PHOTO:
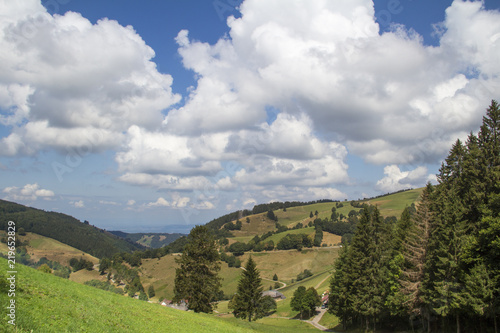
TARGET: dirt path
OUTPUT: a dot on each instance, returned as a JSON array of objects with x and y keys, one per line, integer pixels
[
  {"x": 283, "y": 283},
  {"x": 319, "y": 284},
  {"x": 316, "y": 319}
]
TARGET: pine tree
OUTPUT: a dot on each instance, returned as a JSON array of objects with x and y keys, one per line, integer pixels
[
  {"x": 467, "y": 207},
  {"x": 196, "y": 280},
  {"x": 340, "y": 299},
  {"x": 368, "y": 258},
  {"x": 415, "y": 253},
  {"x": 482, "y": 251},
  {"x": 395, "y": 297},
  {"x": 443, "y": 285},
  {"x": 248, "y": 300}
]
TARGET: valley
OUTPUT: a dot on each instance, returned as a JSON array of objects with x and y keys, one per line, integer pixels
[{"x": 286, "y": 265}]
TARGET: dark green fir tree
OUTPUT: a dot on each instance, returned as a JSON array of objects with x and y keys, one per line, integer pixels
[
  {"x": 196, "y": 280},
  {"x": 248, "y": 302}
]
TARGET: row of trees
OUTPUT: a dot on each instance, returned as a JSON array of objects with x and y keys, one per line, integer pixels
[
  {"x": 119, "y": 272},
  {"x": 439, "y": 267},
  {"x": 305, "y": 301}
]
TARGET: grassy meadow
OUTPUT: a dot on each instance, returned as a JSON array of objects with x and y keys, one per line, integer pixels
[
  {"x": 41, "y": 246},
  {"x": 394, "y": 204},
  {"x": 287, "y": 264},
  {"x": 46, "y": 303}
]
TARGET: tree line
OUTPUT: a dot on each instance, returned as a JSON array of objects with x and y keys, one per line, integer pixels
[{"x": 437, "y": 269}]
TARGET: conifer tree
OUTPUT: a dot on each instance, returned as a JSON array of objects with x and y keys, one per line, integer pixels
[
  {"x": 368, "y": 257},
  {"x": 396, "y": 265},
  {"x": 340, "y": 301},
  {"x": 482, "y": 250},
  {"x": 466, "y": 206},
  {"x": 248, "y": 300},
  {"x": 443, "y": 283},
  {"x": 196, "y": 280},
  {"x": 415, "y": 253}
]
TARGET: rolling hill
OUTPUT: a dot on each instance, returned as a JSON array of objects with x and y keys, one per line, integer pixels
[
  {"x": 88, "y": 309},
  {"x": 46, "y": 303},
  {"x": 151, "y": 240},
  {"x": 44, "y": 247},
  {"x": 65, "y": 229}
]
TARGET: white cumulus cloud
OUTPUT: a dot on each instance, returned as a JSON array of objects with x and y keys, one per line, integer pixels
[
  {"x": 396, "y": 179},
  {"x": 30, "y": 192},
  {"x": 65, "y": 81}
]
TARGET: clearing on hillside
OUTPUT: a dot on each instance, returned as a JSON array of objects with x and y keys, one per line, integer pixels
[{"x": 41, "y": 246}]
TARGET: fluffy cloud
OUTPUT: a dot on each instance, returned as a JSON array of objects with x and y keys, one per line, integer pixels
[
  {"x": 157, "y": 152},
  {"x": 396, "y": 179},
  {"x": 30, "y": 192},
  {"x": 385, "y": 91},
  {"x": 65, "y": 81},
  {"x": 283, "y": 193},
  {"x": 181, "y": 202},
  {"x": 335, "y": 83},
  {"x": 77, "y": 204},
  {"x": 279, "y": 102},
  {"x": 159, "y": 203}
]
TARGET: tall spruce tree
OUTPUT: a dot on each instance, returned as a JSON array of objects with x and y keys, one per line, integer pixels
[
  {"x": 367, "y": 259},
  {"x": 340, "y": 299},
  {"x": 395, "y": 302},
  {"x": 415, "y": 253},
  {"x": 248, "y": 300},
  {"x": 443, "y": 277},
  {"x": 196, "y": 280},
  {"x": 482, "y": 250},
  {"x": 450, "y": 274},
  {"x": 466, "y": 205}
]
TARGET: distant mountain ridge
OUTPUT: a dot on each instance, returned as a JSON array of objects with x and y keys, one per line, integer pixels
[
  {"x": 149, "y": 239},
  {"x": 66, "y": 229}
]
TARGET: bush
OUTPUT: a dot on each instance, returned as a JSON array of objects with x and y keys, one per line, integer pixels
[
  {"x": 45, "y": 268},
  {"x": 304, "y": 275},
  {"x": 297, "y": 241},
  {"x": 239, "y": 248},
  {"x": 151, "y": 291},
  {"x": 81, "y": 264},
  {"x": 104, "y": 285}
]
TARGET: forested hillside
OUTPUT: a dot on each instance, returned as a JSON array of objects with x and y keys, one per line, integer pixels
[
  {"x": 151, "y": 240},
  {"x": 65, "y": 229},
  {"x": 439, "y": 268}
]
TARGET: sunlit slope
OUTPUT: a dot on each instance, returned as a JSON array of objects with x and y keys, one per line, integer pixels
[
  {"x": 64, "y": 228},
  {"x": 259, "y": 224},
  {"x": 46, "y": 303},
  {"x": 394, "y": 204},
  {"x": 40, "y": 246}
]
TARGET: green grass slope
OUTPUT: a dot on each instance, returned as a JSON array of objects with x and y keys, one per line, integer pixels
[
  {"x": 45, "y": 303},
  {"x": 389, "y": 205},
  {"x": 394, "y": 204},
  {"x": 65, "y": 229},
  {"x": 44, "y": 247}
]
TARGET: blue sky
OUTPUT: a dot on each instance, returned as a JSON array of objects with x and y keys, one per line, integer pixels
[{"x": 158, "y": 115}]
